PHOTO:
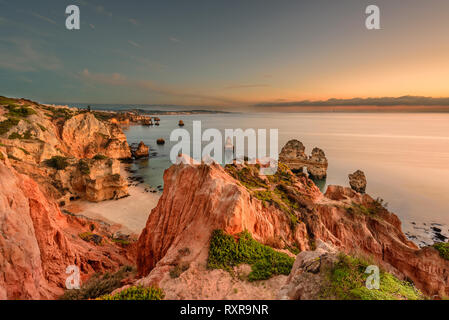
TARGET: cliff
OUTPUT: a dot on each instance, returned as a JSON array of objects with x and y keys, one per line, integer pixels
[
  {"x": 38, "y": 242},
  {"x": 54, "y": 145},
  {"x": 282, "y": 211}
]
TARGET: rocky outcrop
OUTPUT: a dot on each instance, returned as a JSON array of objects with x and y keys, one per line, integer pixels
[
  {"x": 317, "y": 164},
  {"x": 293, "y": 155},
  {"x": 200, "y": 198},
  {"x": 40, "y": 133},
  {"x": 141, "y": 151},
  {"x": 357, "y": 181},
  {"x": 38, "y": 242},
  {"x": 86, "y": 136},
  {"x": 309, "y": 273}
]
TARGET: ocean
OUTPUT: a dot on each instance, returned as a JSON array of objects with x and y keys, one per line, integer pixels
[{"x": 405, "y": 156}]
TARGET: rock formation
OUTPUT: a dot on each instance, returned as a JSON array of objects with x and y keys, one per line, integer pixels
[
  {"x": 293, "y": 155},
  {"x": 38, "y": 242},
  {"x": 200, "y": 198},
  {"x": 160, "y": 141},
  {"x": 142, "y": 151},
  {"x": 357, "y": 181},
  {"x": 86, "y": 136},
  {"x": 309, "y": 273},
  {"x": 41, "y": 133}
]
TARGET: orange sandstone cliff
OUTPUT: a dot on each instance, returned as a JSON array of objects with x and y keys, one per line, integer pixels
[{"x": 281, "y": 211}]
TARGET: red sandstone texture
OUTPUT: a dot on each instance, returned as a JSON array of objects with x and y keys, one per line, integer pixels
[
  {"x": 38, "y": 242},
  {"x": 200, "y": 198}
]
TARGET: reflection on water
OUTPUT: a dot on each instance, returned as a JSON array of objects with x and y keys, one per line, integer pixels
[
  {"x": 404, "y": 156},
  {"x": 321, "y": 184}
]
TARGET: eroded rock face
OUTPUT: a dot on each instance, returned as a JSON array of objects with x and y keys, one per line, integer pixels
[
  {"x": 142, "y": 151},
  {"x": 309, "y": 273},
  {"x": 200, "y": 198},
  {"x": 86, "y": 136},
  {"x": 37, "y": 242},
  {"x": 293, "y": 155},
  {"x": 357, "y": 181}
]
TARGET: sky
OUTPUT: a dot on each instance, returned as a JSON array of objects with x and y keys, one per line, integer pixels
[{"x": 222, "y": 53}]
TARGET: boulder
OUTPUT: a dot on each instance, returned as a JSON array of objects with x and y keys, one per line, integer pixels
[
  {"x": 357, "y": 181},
  {"x": 142, "y": 151}
]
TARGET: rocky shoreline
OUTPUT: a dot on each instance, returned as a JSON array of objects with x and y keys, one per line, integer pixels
[{"x": 213, "y": 232}]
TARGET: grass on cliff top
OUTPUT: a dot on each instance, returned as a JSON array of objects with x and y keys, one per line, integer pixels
[
  {"x": 347, "y": 281},
  {"x": 443, "y": 249},
  {"x": 99, "y": 285},
  {"x": 225, "y": 253},
  {"x": 137, "y": 293},
  {"x": 271, "y": 193},
  {"x": 14, "y": 115}
]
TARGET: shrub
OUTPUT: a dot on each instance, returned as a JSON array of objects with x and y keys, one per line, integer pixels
[
  {"x": 17, "y": 111},
  {"x": 100, "y": 157},
  {"x": 443, "y": 249},
  {"x": 91, "y": 237},
  {"x": 6, "y": 125},
  {"x": 83, "y": 167},
  {"x": 42, "y": 127},
  {"x": 137, "y": 293},
  {"x": 225, "y": 253},
  {"x": 347, "y": 281},
  {"x": 179, "y": 269},
  {"x": 57, "y": 162},
  {"x": 98, "y": 285}
]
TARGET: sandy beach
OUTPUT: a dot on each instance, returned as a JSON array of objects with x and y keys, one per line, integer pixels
[{"x": 129, "y": 215}]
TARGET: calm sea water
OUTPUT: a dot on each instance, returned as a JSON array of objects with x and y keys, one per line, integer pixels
[{"x": 404, "y": 156}]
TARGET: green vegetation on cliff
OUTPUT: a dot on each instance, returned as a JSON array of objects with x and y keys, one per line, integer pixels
[
  {"x": 137, "y": 293},
  {"x": 348, "y": 282},
  {"x": 225, "y": 252},
  {"x": 443, "y": 249},
  {"x": 274, "y": 191},
  {"x": 57, "y": 162},
  {"x": 100, "y": 285}
]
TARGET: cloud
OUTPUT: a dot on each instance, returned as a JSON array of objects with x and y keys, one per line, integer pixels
[
  {"x": 25, "y": 55},
  {"x": 133, "y": 21},
  {"x": 118, "y": 80},
  {"x": 240, "y": 86},
  {"x": 43, "y": 18},
  {"x": 173, "y": 39},
  {"x": 134, "y": 44},
  {"x": 102, "y": 10},
  {"x": 381, "y": 101}
]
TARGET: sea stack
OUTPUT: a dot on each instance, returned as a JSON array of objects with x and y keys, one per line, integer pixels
[
  {"x": 160, "y": 141},
  {"x": 317, "y": 164},
  {"x": 293, "y": 156},
  {"x": 181, "y": 123},
  {"x": 357, "y": 181},
  {"x": 142, "y": 151}
]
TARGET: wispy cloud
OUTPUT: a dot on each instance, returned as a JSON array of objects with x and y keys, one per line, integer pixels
[
  {"x": 133, "y": 21},
  {"x": 173, "y": 39},
  {"x": 119, "y": 80},
  {"x": 134, "y": 44},
  {"x": 25, "y": 55},
  {"x": 242, "y": 86},
  {"x": 43, "y": 18}
]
